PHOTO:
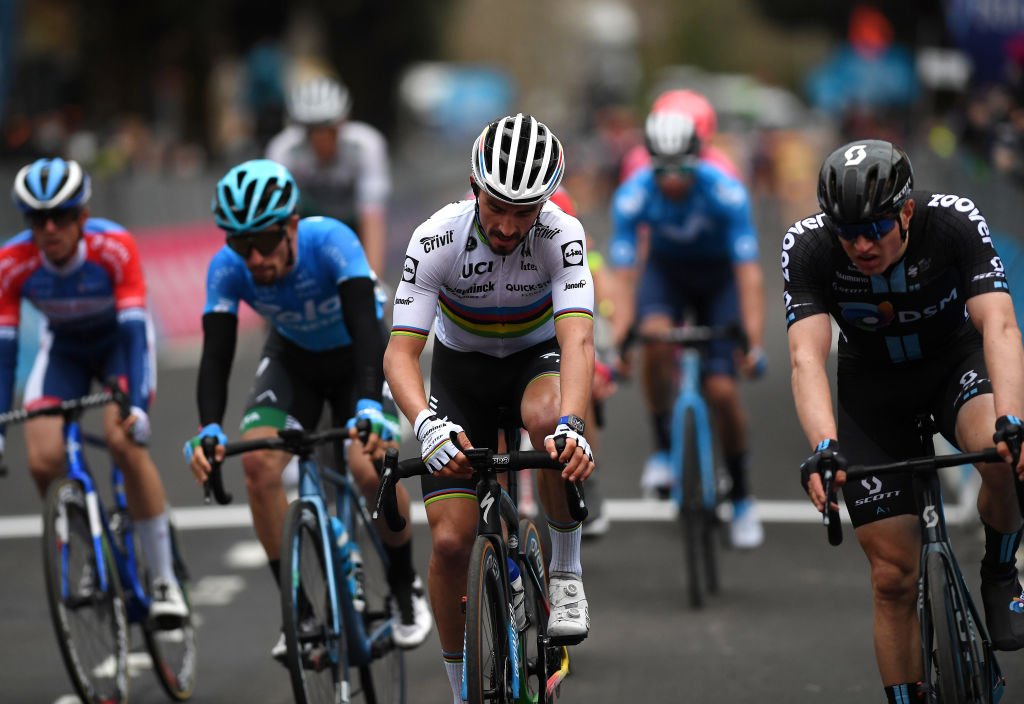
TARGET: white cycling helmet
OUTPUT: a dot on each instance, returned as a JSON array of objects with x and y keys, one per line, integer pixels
[
  {"x": 517, "y": 160},
  {"x": 671, "y": 137},
  {"x": 320, "y": 100}
]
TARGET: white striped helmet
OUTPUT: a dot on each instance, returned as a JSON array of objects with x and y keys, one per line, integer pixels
[
  {"x": 320, "y": 100},
  {"x": 671, "y": 138},
  {"x": 51, "y": 184},
  {"x": 518, "y": 160}
]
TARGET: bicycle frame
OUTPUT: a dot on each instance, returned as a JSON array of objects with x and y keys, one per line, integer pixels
[
  {"x": 363, "y": 646},
  {"x": 935, "y": 539},
  {"x": 689, "y": 398},
  {"x": 137, "y": 602}
]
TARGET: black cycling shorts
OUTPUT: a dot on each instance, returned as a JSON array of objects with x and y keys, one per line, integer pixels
[
  {"x": 469, "y": 387},
  {"x": 877, "y": 410}
]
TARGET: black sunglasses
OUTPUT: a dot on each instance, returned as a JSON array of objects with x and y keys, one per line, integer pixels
[
  {"x": 871, "y": 230},
  {"x": 264, "y": 242},
  {"x": 60, "y": 217}
]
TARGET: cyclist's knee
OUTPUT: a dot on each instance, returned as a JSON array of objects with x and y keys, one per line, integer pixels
[
  {"x": 451, "y": 548},
  {"x": 894, "y": 582},
  {"x": 262, "y": 471}
]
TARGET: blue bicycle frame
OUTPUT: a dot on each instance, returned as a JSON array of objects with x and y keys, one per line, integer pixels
[
  {"x": 690, "y": 399},
  {"x": 137, "y": 602},
  {"x": 311, "y": 492}
]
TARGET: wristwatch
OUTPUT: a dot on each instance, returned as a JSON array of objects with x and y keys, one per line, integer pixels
[{"x": 575, "y": 423}]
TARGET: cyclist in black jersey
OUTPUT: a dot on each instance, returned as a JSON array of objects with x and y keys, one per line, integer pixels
[
  {"x": 926, "y": 325},
  {"x": 310, "y": 280}
]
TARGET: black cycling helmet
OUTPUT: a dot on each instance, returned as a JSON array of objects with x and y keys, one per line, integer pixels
[{"x": 864, "y": 181}]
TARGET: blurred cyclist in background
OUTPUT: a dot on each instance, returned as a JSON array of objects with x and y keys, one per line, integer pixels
[
  {"x": 705, "y": 121},
  {"x": 84, "y": 276},
  {"x": 703, "y": 261},
  {"x": 339, "y": 165},
  {"x": 309, "y": 279}
]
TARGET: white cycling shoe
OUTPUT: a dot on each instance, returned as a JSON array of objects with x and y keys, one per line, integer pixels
[
  {"x": 411, "y": 612},
  {"x": 569, "y": 622},
  {"x": 745, "y": 529},
  {"x": 168, "y": 608}
]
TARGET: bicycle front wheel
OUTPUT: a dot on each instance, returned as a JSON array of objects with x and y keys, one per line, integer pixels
[
  {"x": 382, "y": 681},
  {"x": 952, "y": 678},
  {"x": 697, "y": 520},
  {"x": 174, "y": 650},
  {"x": 539, "y": 662},
  {"x": 487, "y": 660},
  {"x": 90, "y": 622},
  {"x": 316, "y": 649}
]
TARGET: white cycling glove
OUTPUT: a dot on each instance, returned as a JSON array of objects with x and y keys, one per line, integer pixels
[
  {"x": 140, "y": 428},
  {"x": 435, "y": 436},
  {"x": 564, "y": 430}
]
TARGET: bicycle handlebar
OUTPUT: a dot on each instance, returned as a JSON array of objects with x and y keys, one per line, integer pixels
[
  {"x": 113, "y": 393},
  {"x": 932, "y": 463},
  {"x": 293, "y": 440},
  {"x": 481, "y": 459},
  {"x": 689, "y": 335}
]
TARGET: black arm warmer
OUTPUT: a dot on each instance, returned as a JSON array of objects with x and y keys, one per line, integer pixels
[
  {"x": 220, "y": 333},
  {"x": 359, "y": 308}
]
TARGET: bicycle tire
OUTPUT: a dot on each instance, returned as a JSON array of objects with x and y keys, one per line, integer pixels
[
  {"x": 698, "y": 542},
  {"x": 383, "y": 680},
  {"x": 536, "y": 664},
  {"x": 951, "y": 679},
  {"x": 174, "y": 651},
  {"x": 487, "y": 660},
  {"x": 315, "y": 656},
  {"x": 91, "y": 626}
]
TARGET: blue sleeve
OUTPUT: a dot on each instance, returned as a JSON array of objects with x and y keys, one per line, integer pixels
[
  {"x": 8, "y": 361},
  {"x": 222, "y": 294},
  {"x": 627, "y": 210},
  {"x": 341, "y": 251},
  {"x": 738, "y": 222},
  {"x": 135, "y": 346}
]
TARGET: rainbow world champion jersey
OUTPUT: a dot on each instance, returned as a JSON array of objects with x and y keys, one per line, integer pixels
[{"x": 483, "y": 301}]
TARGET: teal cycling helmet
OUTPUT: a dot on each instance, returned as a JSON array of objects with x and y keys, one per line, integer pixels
[
  {"x": 254, "y": 195},
  {"x": 51, "y": 184}
]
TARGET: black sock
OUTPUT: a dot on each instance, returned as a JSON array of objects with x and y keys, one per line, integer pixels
[
  {"x": 275, "y": 569},
  {"x": 737, "y": 466},
  {"x": 400, "y": 569},
  {"x": 1000, "y": 552},
  {"x": 662, "y": 431},
  {"x": 902, "y": 693}
]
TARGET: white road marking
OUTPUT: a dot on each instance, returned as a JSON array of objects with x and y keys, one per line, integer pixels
[{"x": 625, "y": 510}]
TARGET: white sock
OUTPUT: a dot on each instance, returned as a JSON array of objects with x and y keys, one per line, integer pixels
[
  {"x": 155, "y": 536},
  {"x": 565, "y": 549},
  {"x": 454, "y": 670}
]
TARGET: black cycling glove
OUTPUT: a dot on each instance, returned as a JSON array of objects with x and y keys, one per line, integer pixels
[
  {"x": 1008, "y": 430},
  {"x": 826, "y": 450}
]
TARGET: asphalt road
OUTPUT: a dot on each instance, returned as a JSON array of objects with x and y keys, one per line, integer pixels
[{"x": 792, "y": 624}]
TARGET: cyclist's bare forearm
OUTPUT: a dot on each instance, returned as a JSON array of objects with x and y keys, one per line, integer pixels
[
  {"x": 576, "y": 369},
  {"x": 809, "y": 343},
  {"x": 402, "y": 370},
  {"x": 750, "y": 286}
]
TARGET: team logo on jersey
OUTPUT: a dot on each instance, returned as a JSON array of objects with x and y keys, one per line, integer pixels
[
  {"x": 572, "y": 253},
  {"x": 868, "y": 317},
  {"x": 437, "y": 241},
  {"x": 409, "y": 270}
]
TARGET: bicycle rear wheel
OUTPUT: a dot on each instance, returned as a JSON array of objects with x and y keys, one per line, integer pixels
[
  {"x": 382, "y": 681},
  {"x": 697, "y": 520},
  {"x": 954, "y": 677},
  {"x": 487, "y": 659},
  {"x": 173, "y": 650},
  {"x": 91, "y": 625},
  {"x": 316, "y": 650}
]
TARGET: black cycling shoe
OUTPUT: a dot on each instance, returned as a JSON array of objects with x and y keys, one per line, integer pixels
[{"x": 1004, "y": 611}]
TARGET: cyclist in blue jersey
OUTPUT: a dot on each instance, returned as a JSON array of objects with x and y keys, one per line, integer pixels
[
  {"x": 703, "y": 260},
  {"x": 84, "y": 275},
  {"x": 309, "y": 279}
]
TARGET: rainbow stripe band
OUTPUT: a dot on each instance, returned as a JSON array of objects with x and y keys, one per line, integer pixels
[
  {"x": 410, "y": 331},
  {"x": 574, "y": 313},
  {"x": 564, "y": 527},
  {"x": 441, "y": 494}
]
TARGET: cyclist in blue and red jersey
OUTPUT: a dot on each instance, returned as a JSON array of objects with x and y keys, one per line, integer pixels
[
  {"x": 309, "y": 279},
  {"x": 926, "y": 325},
  {"x": 84, "y": 276},
  {"x": 703, "y": 259}
]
